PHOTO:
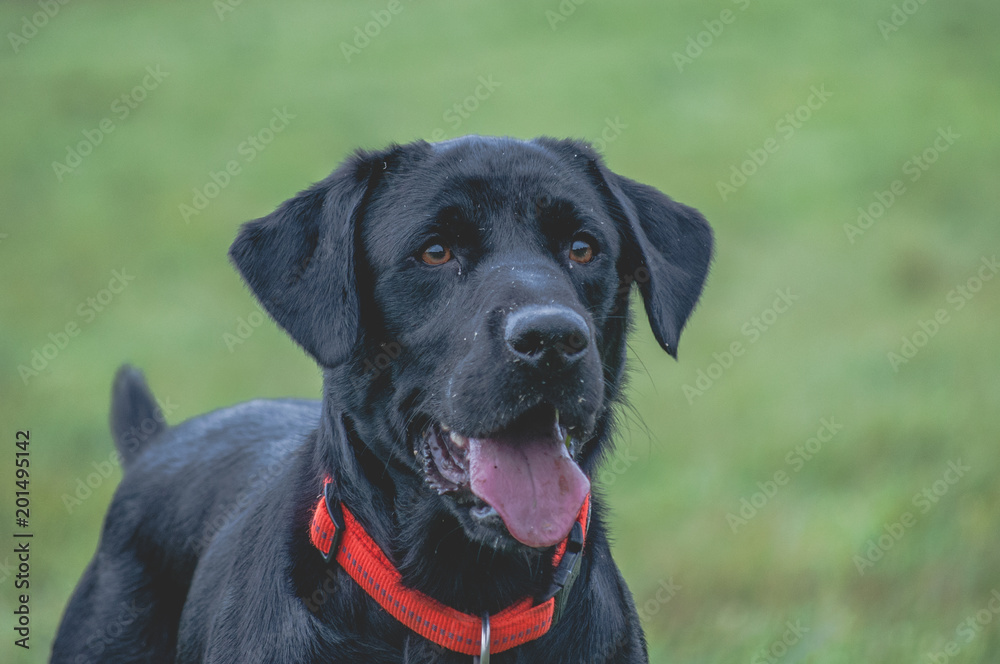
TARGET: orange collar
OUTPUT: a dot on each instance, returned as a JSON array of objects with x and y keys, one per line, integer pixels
[{"x": 338, "y": 534}]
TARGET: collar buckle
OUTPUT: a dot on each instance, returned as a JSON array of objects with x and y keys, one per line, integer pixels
[
  {"x": 562, "y": 577},
  {"x": 565, "y": 574},
  {"x": 337, "y": 517}
]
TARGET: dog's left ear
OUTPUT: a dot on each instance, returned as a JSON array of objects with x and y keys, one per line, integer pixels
[
  {"x": 299, "y": 260},
  {"x": 668, "y": 249}
]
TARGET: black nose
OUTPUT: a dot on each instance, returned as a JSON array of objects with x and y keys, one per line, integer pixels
[{"x": 546, "y": 335}]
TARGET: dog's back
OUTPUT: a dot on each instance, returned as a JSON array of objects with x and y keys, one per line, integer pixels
[{"x": 182, "y": 486}]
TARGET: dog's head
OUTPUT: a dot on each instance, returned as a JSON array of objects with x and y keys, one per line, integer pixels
[{"x": 471, "y": 297}]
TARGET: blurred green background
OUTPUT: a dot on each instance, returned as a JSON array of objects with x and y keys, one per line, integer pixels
[{"x": 679, "y": 95}]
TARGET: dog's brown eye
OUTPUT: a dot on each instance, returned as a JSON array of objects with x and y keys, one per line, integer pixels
[
  {"x": 581, "y": 251},
  {"x": 436, "y": 254}
]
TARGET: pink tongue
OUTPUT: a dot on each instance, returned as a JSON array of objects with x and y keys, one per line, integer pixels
[{"x": 531, "y": 482}]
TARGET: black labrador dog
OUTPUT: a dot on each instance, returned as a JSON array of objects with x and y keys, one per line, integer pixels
[{"x": 467, "y": 302}]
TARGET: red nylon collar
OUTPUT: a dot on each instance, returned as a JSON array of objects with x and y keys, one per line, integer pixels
[{"x": 362, "y": 558}]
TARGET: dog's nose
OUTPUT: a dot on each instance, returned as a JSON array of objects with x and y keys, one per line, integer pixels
[{"x": 546, "y": 335}]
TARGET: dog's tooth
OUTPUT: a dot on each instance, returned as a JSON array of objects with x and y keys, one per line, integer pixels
[
  {"x": 458, "y": 440},
  {"x": 444, "y": 427},
  {"x": 560, "y": 431}
]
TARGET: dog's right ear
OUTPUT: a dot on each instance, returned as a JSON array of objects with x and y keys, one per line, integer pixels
[
  {"x": 299, "y": 260},
  {"x": 667, "y": 243}
]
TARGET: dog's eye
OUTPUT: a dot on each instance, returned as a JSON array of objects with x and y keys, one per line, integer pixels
[
  {"x": 436, "y": 253},
  {"x": 581, "y": 250}
]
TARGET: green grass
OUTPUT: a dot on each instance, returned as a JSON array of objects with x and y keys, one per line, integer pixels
[{"x": 685, "y": 466}]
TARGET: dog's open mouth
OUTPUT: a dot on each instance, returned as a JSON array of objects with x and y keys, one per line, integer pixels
[{"x": 525, "y": 474}]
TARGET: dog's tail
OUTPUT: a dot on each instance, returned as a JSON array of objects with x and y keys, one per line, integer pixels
[{"x": 135, "y": 416}]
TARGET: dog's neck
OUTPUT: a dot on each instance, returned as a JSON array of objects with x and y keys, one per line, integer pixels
[{"x": 408, "y": 522}]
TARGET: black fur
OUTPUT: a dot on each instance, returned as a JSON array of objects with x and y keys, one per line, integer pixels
[
  {"x": 205, "y": 555},
  {"x": 135, "y": 416}
]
